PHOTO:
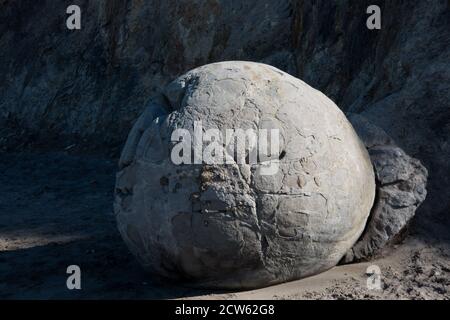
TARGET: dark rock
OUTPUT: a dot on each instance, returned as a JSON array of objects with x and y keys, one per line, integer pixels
[
  {"x": 400, "y": 181},
  {"x": 90, "y": 85}
]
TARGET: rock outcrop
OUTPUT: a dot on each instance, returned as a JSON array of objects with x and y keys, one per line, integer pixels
[
  {"x": 401, "y": 189},
  {"x": 234, "y": 225},
  {"x": 89, "y": 86}
]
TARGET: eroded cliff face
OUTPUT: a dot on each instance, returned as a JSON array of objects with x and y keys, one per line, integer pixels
[
  {"x": 398, "y": 77},
  {"x": 91, "y": 84}
]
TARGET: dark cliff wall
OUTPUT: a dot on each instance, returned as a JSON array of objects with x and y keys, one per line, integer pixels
[
  {"x": 92, "y": 83},
  {"x": 398, "y": 77}
]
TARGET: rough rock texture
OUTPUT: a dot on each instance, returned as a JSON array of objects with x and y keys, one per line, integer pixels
[
  {"x": 93, "y": 83},
  {"x": 230, "y": 226},
  {"x": 398, "y": 77},
  {"x": 401, "y": 182}
]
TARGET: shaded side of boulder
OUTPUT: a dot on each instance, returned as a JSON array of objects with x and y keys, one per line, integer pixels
[{"x": 401, "y": 188}]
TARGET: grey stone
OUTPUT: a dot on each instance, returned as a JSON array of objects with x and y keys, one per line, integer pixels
[
  {"x": 229, "y": 226},
  {"x": 401, "y": 189},
  {"x": 89, "y": 86}
]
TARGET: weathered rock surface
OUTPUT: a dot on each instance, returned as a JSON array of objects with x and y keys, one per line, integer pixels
[
  {"x": 230, "y": 226},
  {"x": 397, "y": 77},
  {"x": 401, "y": 188},
  {"x": 89, "y": 86}
]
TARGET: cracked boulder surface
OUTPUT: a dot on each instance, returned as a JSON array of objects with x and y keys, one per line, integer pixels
[
  {"x": 229, "y": 226},
  {"x": 401, "y": 189}
]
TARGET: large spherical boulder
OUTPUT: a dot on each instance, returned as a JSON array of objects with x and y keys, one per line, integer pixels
[{"x": 242, "y": 224}]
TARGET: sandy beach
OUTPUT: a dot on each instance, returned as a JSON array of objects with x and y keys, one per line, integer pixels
[{"x": 56, "y": 211}]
